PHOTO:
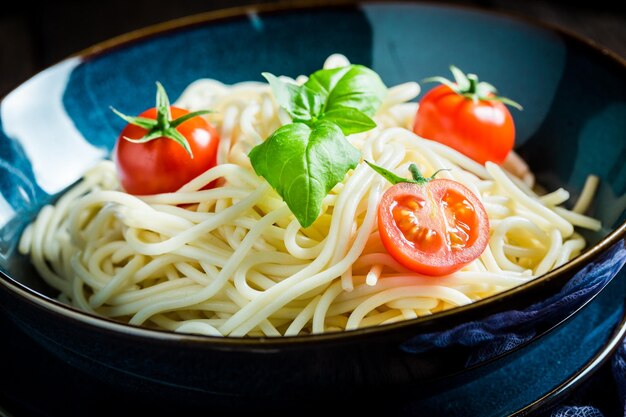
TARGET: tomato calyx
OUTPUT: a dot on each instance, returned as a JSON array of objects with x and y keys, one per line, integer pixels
[
  {"x": 163, "y": 126},
  {"x": 418, "y": 178},
  {"x": 468, "y": 85}
]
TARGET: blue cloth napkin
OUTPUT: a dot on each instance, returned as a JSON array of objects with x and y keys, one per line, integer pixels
[
  {"x": 618, "y": 368},
  {"x": 575, "y": 411},
  {"x": 499, "y": 333}
]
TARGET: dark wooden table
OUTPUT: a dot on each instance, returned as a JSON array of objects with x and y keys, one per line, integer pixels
[{"x": 33, "y": 37}]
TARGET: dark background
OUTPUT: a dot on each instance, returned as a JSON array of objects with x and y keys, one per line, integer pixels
[{"x": 34, "y": 36}]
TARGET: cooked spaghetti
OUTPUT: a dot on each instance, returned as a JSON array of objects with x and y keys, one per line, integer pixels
[{"x": 233, "y": 261}]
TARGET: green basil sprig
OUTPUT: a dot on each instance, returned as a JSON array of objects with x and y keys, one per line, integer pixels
[{"x": 305, "y": 159}]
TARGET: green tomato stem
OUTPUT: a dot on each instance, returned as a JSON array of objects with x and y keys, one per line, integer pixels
[
  {"x": 417, "y": 175},
  {"x": 473, "y": 83},
  {"x": 164, "y": 114},
  {"x": 163, "y": 126},
  {"x": 418, "y": 178},
  {"x": 470, "y": 87}
]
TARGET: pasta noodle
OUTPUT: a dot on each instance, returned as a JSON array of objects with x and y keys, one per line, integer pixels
[{"x": 233, "y": 260}]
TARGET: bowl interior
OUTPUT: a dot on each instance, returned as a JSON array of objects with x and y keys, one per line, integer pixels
[{"x": 58, "y": 123}]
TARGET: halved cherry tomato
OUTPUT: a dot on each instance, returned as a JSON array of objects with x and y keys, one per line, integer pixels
[
  {"x": 432, "y": 226},
  {"x": 467, "y": 116},
  {"x": 162, "y": 158}
]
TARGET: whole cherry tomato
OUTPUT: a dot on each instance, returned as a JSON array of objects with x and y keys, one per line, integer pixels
[
  {"x": 468, "y": 116},
  {"x": 431, "y": 226},
  {"x": 164, "y": 148}
]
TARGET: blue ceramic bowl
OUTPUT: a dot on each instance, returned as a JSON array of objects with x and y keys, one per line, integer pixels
[{"x": 58, "y": 123}]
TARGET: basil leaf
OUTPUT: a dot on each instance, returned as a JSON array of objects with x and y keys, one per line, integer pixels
[
  {"x": 303, "y": 164},
  {"x": 304, "y": 160},
  {"x": 300, "y": 102},
  {"x": 349, "y": 119},
  {"x": 353, "y": 86}
]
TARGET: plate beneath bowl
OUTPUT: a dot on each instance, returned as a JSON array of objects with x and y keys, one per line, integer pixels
[
  {"x": 33, "y": 380},
  {"x": 544, "y": 371}
]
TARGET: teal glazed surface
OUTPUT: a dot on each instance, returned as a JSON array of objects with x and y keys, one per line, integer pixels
[
  {"x": 59, "y": 123},
  {"x": 230, "y": 51},
  {"x": 571, "y": 102},
  {"x": 523, "y": 62}
]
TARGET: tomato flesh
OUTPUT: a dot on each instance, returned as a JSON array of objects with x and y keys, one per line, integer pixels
[
  {"x": 419, "y": 234},
  {"x": 433, "y": 229}
]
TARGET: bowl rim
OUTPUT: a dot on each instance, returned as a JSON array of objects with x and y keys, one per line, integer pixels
[
  {"x": 582, "y": 374},
  {"x": 444, "y": 318}
]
